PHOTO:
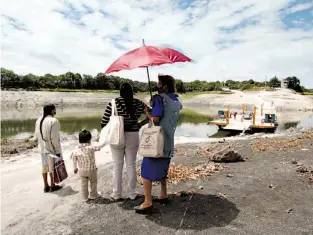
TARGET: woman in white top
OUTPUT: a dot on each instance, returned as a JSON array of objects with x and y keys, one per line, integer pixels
[{"x": 47, "y": 133}]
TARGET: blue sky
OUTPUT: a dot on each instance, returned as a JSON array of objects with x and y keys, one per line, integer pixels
[{"x": 237, "y": 40}]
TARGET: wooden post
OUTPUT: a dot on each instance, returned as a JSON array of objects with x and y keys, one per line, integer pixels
[
  {"x": 253, "y": 116},
  {"x": 243, "y": 109},
  {"x": 228, "y": 114},
  {"x": 262, "y": 110}
]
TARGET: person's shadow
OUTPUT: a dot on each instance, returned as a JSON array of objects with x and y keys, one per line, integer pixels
[
  {"x": 196, "y": 212},
  {"x": 65, "y": 191}
]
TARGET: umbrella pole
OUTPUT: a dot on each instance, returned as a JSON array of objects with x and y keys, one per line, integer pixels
[
  {"x": 143, "y": 42},
  {"x": 149, "y": 81}
]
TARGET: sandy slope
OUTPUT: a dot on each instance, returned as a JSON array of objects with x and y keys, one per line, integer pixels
[{"x": 283, "y": 99}]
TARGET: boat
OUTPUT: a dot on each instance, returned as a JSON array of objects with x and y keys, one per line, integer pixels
[{"x": 259, "y": 120}]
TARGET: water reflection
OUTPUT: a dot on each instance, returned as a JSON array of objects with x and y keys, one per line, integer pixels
[
  {"x": 190, "y": 124},
  {"x": 307, "y": 122},
  {"x": 196, "y": 130}
]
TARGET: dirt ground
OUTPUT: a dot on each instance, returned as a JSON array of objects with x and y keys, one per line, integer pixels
[
  {"x": 9, "y": 147},
  {"x": 262, "y": 195}
]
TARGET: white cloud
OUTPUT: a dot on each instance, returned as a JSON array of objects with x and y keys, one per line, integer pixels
[
  {"x": 300, "y": 7},
  {"x": 263, "y": 46}
]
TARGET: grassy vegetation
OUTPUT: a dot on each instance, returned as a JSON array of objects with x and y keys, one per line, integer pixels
[
  {"x": 195, "y": 93},
  {"x": 78, "y": 90},
  {"x": 306, "y": 93},
  {"x": 257, "y": 89},
  {"x": 189, "y": 116}
]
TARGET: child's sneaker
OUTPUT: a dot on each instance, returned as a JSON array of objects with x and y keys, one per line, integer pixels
[{"x": 113, "y": 198}]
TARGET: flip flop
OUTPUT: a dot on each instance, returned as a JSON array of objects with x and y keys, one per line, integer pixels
[{"x": 143, "y": 211}]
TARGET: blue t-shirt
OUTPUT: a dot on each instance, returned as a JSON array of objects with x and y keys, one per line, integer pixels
[{"x": 158, "y": 105}]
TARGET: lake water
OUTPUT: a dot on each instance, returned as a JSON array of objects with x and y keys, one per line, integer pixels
[{"x": 21, "y": 124}]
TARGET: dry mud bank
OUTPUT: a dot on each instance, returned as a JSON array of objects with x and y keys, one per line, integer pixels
[
  {"x": 33, "y": 99},
  {"x": 284, "y": 100}
]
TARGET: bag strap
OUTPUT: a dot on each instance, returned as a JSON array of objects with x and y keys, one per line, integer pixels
[
  {"x": 113, "y": 108},
  {"x": 152, "y": 122}
]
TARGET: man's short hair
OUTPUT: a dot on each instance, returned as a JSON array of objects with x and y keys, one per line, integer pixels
[{"x": 84, "y": 136}]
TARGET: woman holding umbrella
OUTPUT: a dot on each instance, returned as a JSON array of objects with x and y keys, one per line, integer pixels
[{"x": 165, "y": 112}]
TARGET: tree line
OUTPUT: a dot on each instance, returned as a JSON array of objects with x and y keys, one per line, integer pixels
[{"x": 70, "y": 80}]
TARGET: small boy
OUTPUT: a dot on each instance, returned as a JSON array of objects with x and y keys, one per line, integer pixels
[{"x": 84, "y": 156}]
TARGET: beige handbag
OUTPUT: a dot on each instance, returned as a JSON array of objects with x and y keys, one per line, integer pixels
[
  {"x": 151, "y": 142},
  {"x": 113, "y": 132}
]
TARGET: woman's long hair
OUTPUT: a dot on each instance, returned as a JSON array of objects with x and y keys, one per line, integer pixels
[
  {"x": 127, "y": 93},
  {"x": 47, "y": 110}
]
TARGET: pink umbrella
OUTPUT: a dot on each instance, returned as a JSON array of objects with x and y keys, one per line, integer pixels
[{"x": 146, "y": 56}]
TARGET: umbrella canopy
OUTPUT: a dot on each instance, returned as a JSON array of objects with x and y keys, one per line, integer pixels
[{"x": 147, "y": 56}]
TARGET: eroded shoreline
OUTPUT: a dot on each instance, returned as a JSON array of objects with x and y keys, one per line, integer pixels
[{"x": 283, "y": 100}]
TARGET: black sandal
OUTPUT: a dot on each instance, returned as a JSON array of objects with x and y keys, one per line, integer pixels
[
  {"x": 55, "y": 188},
  {"x": 46, "y": 189},
  {"x": 163, "y": 201},
  {"x": 144, "y": 211}
]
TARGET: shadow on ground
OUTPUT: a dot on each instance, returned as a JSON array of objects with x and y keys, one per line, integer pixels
[
  {"x": 196, "y": 212},
  {"x": 101, "y": 200},
  {"x": 66, "y": 191}
]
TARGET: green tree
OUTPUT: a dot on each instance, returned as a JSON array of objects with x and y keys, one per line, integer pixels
[
  {"x": 294, "y": 83},
  {"x": 70, "y": 80},
  {"x": 9, "y": 79},
  {"x": 180, "y": 86},
  {"x": 274, "y": 82},
  {"x": 88, "y": 82}
]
